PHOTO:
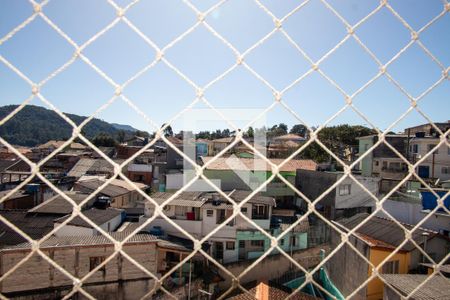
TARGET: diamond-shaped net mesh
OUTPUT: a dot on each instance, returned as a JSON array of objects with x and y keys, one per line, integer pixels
[{"x": 39, "y": 11}]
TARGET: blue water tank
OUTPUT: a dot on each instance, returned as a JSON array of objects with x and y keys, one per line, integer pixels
[{"x": 429, "y": 200}]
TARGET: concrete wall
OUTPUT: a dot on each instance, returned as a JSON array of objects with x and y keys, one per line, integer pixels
[
  {"x": 70, "y": 230},
  {"x": 36, "y": 273},
  {"x": 375, "y": 286},
  {"x": 346, "y": 269},
  {"x": 366, "y": 164},
  {"x": 277, "y": 264},
  {"x": 441, "y": 159}
]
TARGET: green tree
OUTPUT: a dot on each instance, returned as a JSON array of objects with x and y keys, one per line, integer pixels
[
  {"x": 299, "y": 129},
  {"x": 104, "y": 140}
]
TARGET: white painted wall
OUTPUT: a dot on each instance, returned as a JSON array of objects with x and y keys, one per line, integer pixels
[
  {"x": 412, "y": 213},
  {"x": 441, "y": 159},
  {"x": 70, "y": 230},
  {"x": 174, "y": 181}
]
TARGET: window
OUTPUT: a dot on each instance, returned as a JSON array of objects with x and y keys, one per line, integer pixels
[
  {"x": 244, "y": 210},
  {"x": 415, "y": 148},
  {"x": 220, "y": 216},
  {"x": 260, "y": 211},
  {"x": 257, "y": 243},
  {"x": 209, "y": 212},
  {"x": 95, "y": 261},
  {"x": 377, "y": 163},
  {"x": 385, "y": 165},
  {"x": 390, "y": 267},
  {"x": 293, "y": 241},
  {"x": 282, "y": 242},
  {"x": 344, "y": 189},
  {"x": 445, "y": 170},
  {"x": 230, "y": 245}
]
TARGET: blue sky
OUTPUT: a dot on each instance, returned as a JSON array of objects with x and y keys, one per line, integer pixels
[{"x": 38, "y": 50}]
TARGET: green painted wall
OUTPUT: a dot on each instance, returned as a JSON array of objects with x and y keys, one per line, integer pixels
[{"x": 247, "y": 235}]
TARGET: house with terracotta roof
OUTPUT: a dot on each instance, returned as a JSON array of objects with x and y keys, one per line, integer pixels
[
  {"x": 376, "y": 240},
  {"x": 400, "y": 286}
]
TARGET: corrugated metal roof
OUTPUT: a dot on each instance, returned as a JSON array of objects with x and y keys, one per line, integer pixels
[
  {"x": 98, "y": 216},
  {"x": 443, "y": 268},
  {"x": 81, "y": 167},
  {"x": 437, "y": 287},
  {"x": 33, "y": 225},
  {"x": 384, "y": 232},
  {"x": 58, "y": 205},
  {"x": 193, "y": 199}
]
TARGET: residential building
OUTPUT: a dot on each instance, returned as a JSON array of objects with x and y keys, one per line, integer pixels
[
  {"x": 377, "y": 239},
  {"x": 108, "y": 219},
  {"x": 434, "y": 166},
  {"x": 217, "y": 145},
  {"x": 119, "y": 278},
  {"x": 345, "y": 200},
  {"x": 200, "y": 212},
  {"x": 400, "y": 286},
  {"x": 382, "y": 161},
  {"x": 120, "y": 193},
  {"x": 247, "y": 173}
]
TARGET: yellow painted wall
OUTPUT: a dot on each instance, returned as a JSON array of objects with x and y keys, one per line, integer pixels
[{"x": 375, "y": 286}]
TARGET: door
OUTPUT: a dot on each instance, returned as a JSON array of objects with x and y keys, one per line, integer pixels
[
  {"x": 424, "y": 171},
  {"x": 218, "y": 250},
  {"x": 242, "y": 250}
]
